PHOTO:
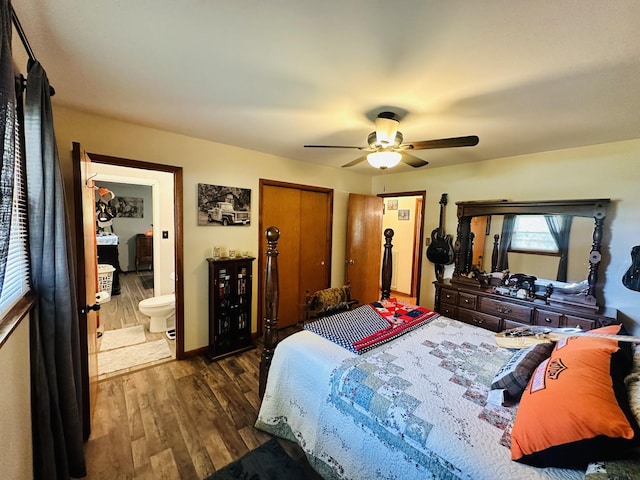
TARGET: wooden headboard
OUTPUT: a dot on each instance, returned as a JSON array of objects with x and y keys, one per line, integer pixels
[{"x": 271, "y": 296}]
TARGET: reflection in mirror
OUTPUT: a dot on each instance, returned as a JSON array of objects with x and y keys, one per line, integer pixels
[
  {"x": 540, "y": 265},
  {"x": 476, "y": 254}
]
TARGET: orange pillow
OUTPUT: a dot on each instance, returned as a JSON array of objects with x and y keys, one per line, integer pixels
[{"x": 575, "y": 408}]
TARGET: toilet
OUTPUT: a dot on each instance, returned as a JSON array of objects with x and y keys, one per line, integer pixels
[{"x": 159, "y": 309}]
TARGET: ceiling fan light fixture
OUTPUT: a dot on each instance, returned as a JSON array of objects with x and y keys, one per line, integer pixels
[
  {"x": 386, "y": 129},
  {"x": 384, "y": 159}
]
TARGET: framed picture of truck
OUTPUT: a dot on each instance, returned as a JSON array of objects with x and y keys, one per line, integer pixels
[{"x": 223, "y": 206}]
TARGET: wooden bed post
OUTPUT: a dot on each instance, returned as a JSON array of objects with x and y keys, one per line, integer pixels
[
  {"x": 387, "y": 264},
  {"x": 271, "y": 289}
]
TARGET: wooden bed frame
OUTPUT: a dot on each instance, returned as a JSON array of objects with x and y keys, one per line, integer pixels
[{"x": 271, "y": 296}]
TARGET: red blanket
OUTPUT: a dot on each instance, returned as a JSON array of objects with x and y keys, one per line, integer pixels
[{"x": 401, "y": 318}]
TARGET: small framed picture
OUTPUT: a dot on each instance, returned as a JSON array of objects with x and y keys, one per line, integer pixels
[
  {"x": 392, "y": 204},
  {"x": 403, "y": 214}
]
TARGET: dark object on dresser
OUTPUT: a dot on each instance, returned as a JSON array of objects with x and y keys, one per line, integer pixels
[{"x": 229, "y": 306}]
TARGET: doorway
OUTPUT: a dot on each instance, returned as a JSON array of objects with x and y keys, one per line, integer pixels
[
  {"x": 159, "y": 275},
  {"x": 126, "y": 340},
  {"x": 404, "y": 213}
]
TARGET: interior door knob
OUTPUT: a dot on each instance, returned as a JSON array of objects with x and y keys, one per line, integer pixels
[
  {"x": 350, "y": 262},
  {"x": 87, "y": 308}
]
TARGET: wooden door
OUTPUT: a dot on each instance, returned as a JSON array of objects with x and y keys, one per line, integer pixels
[
  {"x": 87, "y": 274},
  {"x": 364, "y": 247},
  {"x": 315, "y": 244},
  {"x": 479, "y": 229},
  {"x": 303, "y": 215},
  {"x": 281, "y": 209}
]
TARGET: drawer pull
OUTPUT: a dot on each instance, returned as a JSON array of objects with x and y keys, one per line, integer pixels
[
  {"x": 448, "y": 296},
  {"x": 548, "y": 320},
  {"x": 466, "y": 300},
  {"x": 477, "y": 320},
  {"x": 502, "y": 309}
]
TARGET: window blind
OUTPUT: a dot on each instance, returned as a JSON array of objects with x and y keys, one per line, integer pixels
[{"x": 16, "y": 282}]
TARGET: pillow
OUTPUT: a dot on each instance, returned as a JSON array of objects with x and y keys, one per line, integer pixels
[
  {"x": 575, "y": 408},
  {"x": 330, "y": 297},
  {"x": 515, "y": 374}
]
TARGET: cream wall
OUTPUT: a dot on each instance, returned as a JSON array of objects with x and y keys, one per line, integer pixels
[
  {"x": 207, "y": 162},
  {"x": 600, "y": 171},
  {"x": 16, "y": 460}
]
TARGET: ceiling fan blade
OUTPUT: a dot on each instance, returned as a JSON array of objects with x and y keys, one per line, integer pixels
[
  {"x": 333, "y": 146},
  {"x": 415, "y": 162},
  {"x": 355, "y": 162},
  {"x": 469, "y": 141}
]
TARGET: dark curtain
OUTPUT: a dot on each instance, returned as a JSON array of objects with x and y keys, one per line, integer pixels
[
  {"x": 56, "y": 377},
  {"x": 8, "y": 129},
  {"x": 508, "y": 224},
  {"x": 560, "y": 228}
]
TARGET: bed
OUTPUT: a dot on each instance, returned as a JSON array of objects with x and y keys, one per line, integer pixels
[{"x": 415, "y": 406}]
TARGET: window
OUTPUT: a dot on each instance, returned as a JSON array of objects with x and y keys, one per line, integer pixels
[
  {"x": 16, "y": 280},
  {"x": 531, "y": 234}
]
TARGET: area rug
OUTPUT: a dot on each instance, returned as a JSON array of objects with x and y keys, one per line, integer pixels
[
  {"x": 133, "y": 356},
  {"x": 267, "y": 462},
  {"x": 147, "y": 281},
  {"x": 122, "y": 337}
]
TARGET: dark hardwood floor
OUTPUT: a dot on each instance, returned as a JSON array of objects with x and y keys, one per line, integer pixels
[{"x": 178, "y": 420}]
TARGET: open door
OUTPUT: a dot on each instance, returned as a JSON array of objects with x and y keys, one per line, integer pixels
[
  {"x": 87, "y": 274},
  {"x": 364, "y": 247}
]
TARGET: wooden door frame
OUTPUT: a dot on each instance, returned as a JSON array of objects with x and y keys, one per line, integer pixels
[
  {"x": 262, "y": 243},
  {"x": 418, "y": 245},
  {"x": 177, "y": 225}
]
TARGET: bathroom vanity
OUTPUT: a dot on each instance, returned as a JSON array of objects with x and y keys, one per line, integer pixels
[
  {"x": 230, "y": 287},
  {"x": 107, "y": 247}
]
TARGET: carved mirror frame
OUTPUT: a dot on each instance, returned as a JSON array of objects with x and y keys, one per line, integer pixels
[{"x": 594, "y": 208}]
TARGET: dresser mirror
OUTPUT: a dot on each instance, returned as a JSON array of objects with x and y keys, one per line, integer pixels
[{"x": 480, "y": 244}]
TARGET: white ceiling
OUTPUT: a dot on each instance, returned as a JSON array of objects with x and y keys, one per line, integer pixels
[{"x": 523, "y": 75}]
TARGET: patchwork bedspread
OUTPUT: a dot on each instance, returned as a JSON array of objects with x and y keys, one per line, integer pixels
[
  {"x": 414, "y": 408},
  {"x": 368, "y": 326}
]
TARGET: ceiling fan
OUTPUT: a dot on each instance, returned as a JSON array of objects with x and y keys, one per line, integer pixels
[{"x": 387, "y": 148}]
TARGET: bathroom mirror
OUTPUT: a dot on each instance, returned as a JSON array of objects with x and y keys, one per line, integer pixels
[{"x": 480, "y": 244}]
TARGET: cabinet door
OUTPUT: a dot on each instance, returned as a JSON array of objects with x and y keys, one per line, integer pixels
[
  {"x": 221, "y": 320},
  {"x": 242, "y": 316}
]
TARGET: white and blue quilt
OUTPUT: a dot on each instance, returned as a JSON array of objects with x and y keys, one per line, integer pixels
[{"x": 413, "y": 408}]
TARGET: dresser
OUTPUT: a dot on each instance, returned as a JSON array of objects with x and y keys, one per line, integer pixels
[
  {"x": 230, "y": 291},
  {"x": 144, "y": 251},
  {"x": 482, "y": 307}
]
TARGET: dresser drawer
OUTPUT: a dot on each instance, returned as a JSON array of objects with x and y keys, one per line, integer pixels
[
  {"x": 583, "y": 323},
  {"x": 479, "y": 319},
  {"x": 449, "y": 296},
  {"x": 508, "y": 325},
  {"x": 466, "y": 300},
  {"x": 448, "y": 310},
  {"x": 509, "y": 311},
  {"x": 547, "y": 319}
]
